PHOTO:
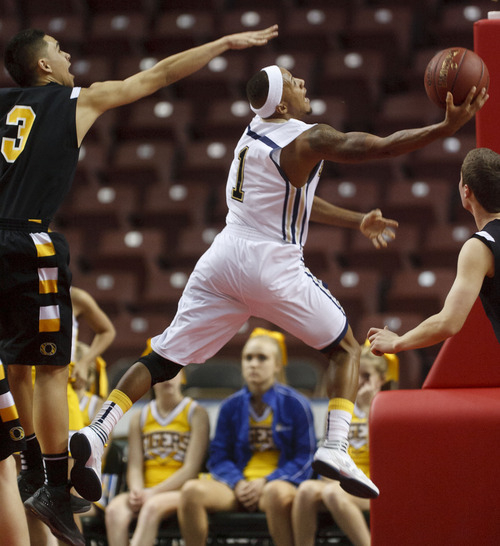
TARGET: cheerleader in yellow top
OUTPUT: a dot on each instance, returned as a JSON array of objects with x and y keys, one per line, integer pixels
[
  {"x": 168, "y": 441},
  {"x": 321, "y": 494}
]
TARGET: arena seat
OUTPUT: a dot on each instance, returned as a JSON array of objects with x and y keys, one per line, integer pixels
[
  {"x": 52, "y": 7},
  {"x": 224, "y": 118},
  {"x": 92, "y": 164},
  {"x": 398, "y": 255},
  {"x": 319, "y": 27},
  {"x": 442, "y": 244},
  {"x": 241, "y": 19},
  {"x": 359, "y": 293},
  {"x": 98, "y": 207},
  {"x": 162, "y": 290},
  {"x": 177, "y": 30},
  {"x": 351, "y": 192},
  {"x": 454, "y": 23},
  {"x": 173, "y": 208},
  {"x": 117, "y": 33},
  {"x": 193, "y": 242},
  {"x": 323, "y": 246},
  {"x": 418, "y": 202},
  {"x": 442, "y": 158},
  {"x": 128, "y": 249},
  {"x": 207, "y": 159},
  {"x": 147, "y": 161},
  {"x": 69, "y": 29},
  {"x": 91, "y": 68},
  {"x": 406, "y": 110},
  {"x": 419, "y": 290},
  {"x": 156, "y": 119},
  {"x": 224, "y": 76},
  {"x": 388, "y": 29},
  {"x": 356, "y": 76},
  {"x": 115, "y": 291}
]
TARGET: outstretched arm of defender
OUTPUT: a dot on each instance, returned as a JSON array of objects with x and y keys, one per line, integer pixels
[
  {"x": 475, "y": 261},
  {"x": 102, "y": 96}
]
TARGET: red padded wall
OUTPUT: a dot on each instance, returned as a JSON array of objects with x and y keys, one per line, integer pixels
[
  {"x": 487, "y": 46},
  {"x": 470, "y": 358},
  {"x": 434, "y": 456}
]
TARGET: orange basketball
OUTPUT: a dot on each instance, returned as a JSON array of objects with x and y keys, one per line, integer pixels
[{"x": 455, "y": 69}]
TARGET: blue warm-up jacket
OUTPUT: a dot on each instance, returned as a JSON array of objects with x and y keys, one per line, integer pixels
[{"x": 293, "y": 435}]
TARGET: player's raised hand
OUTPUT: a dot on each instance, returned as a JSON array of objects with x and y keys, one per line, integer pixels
[
  {"x": 378, "y": 229},
  {"x": 458, "y": 115},
  {"x": 242, "y": 40},
  {"x": 382, "y": 340}
]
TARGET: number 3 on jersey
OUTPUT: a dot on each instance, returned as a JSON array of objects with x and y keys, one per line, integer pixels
[
  {"x": 238, "y": 192},
  {"x": 23, "y": 117}
]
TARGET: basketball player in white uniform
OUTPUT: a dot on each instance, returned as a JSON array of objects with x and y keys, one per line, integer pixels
[{"x": 255, "y": 266}]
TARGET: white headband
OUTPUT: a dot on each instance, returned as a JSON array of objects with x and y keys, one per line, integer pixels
[{"x": 274, "y": 94}]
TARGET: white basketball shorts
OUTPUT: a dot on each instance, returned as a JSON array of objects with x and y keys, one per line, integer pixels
[{"x": 241, "y": 276}]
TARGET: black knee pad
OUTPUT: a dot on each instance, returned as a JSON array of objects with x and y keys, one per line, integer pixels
[{"x": 160, "y": 368}]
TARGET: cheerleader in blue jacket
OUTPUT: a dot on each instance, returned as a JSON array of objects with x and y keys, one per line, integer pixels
[{"x": 262, "y": 449}]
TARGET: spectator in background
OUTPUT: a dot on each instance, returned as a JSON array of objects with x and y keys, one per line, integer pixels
[
  {"x": 262, "y": 449},
  {"x": 167, "y": 445},
  {"x": 14, "y": 530},
  {"x": 324, "y": 494}
]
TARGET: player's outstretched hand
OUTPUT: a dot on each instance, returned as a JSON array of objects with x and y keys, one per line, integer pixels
[
  {"x": 242, "y": 40},
  {"x": 382, "y": 340},
  {"x": 458, "y": 115},
  {"x": 378, "y": 229}
]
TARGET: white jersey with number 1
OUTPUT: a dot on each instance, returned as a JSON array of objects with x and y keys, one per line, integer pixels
[{"x": 259, "y": 194}]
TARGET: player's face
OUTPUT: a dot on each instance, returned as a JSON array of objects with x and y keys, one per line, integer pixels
[
  {"x": 259, "y": 364},
  {"x": 59, "y": 62},
  {"x": 295, "y": 95}
]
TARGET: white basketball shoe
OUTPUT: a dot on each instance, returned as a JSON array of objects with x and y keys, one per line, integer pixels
[
  {"x": 336, "y": 463},
  {"x": 86, "y": 448}
]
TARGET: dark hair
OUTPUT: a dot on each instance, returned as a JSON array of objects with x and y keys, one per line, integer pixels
[
  {"x": 258, "y": 89},
  {"x": 481, "y": 172},
  {"x": 22, "y": 54}
]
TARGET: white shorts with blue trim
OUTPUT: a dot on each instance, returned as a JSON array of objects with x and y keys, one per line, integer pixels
[{"x": 242, "y": 275}]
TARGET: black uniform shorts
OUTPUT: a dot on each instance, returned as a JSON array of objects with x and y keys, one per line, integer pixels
[{"x": 35, "y": 311}]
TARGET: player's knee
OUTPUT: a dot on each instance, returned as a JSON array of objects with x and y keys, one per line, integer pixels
[
  {"x": 161, "y": 369},
  {"x": 347, "y": 349}
]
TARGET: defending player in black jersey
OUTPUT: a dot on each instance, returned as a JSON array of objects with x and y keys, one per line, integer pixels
[
  {"x": 42, "y": 125},
  {"x": 478, "y": 269}
]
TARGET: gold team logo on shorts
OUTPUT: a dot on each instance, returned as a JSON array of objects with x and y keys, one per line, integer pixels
[
  {"x": 48, "y": 349},
  {"x": 16, "y": 433}
]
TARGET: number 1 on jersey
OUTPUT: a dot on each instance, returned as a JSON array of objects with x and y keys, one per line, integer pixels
[{"x": 238, "y": 192}]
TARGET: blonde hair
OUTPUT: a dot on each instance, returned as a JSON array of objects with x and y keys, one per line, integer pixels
[
  {"x": 279, "y": 341},
  {"x": 386, "y": 365}
]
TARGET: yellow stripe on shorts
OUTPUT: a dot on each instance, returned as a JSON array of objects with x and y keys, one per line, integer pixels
[
  {"x": 8, "y": 410},
  {"x": 50, "y": 320},
  {"x": 47, "y": 280},
  {"x": 43, "y": 244}
]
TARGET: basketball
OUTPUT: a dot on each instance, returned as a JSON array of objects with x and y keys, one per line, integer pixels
[{"x": 455, "y": 69}]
